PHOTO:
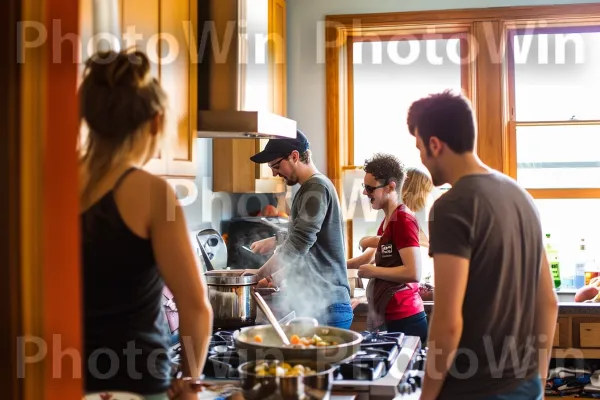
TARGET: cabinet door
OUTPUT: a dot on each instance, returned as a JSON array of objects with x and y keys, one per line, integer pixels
[
  {"x": 178, "y": 77},
  {"x": 277, "y": 55},
  {"x": 140, "y": 24}
]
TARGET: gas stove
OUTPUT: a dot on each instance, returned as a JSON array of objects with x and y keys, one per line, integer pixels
[{"x": 384, "y": 368}]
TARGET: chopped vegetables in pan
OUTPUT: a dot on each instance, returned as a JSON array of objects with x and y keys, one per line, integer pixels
[
  {"x": 283, "y": 369},
  {"x": 303, "y": 342}
]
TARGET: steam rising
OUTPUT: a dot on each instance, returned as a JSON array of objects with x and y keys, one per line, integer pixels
[{"x": 305, "y": 289}]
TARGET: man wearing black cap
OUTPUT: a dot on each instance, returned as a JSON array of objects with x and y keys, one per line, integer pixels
[{"x": 311, "y": 257}]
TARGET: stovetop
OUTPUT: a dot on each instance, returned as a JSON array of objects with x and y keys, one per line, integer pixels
[
  {"x": 378, "y": 352},
  {"x": 388, "y": 365}
]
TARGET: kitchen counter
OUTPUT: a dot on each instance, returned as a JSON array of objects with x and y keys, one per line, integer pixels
[
  {"x": 360, "y": 306},
  {"x": 570, "y": 315}
]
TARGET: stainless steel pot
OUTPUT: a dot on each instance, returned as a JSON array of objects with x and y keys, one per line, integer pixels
[
  {"x": 313, "y": 387},
  {"x": 231, "y": 298},
  {"x": 270, "y": 345}
]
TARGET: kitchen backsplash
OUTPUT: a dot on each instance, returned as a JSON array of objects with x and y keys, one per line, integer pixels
[{"x": 204, "y": 208}]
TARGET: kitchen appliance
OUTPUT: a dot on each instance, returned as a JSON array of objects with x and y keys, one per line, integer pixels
[
  {"x": 231, "y": 297},
  {"x": 243, "y": 231},
  {"x": 387, "y": 366},
  {"x": 233, "y": 86},
  {"x": 210, "y": 245}
]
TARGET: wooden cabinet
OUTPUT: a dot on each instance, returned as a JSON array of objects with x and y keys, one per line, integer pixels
[
  {"x": 178, "y": 75},
  {"x": 232, "y": 169},
  {"x": 162, "y": 29},
  {"x": 562, "y": 335},
  {"x": 589, "y": 334},
  {"x": 577, "y": 336}
]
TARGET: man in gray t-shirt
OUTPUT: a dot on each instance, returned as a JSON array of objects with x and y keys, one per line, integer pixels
[{"x": 495, "y": 308}]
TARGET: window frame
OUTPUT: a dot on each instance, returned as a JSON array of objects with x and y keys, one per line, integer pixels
[
  {"x": 555, "y": 27},
  {"x": 489, "y": 82},
  {"x": 452, "y": 31}
]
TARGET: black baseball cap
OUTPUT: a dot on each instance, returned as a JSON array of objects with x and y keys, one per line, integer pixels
[{"x": 277, "y": 148}]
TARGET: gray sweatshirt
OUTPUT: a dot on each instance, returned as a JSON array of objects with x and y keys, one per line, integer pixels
[{"x": 313, "y": 256}]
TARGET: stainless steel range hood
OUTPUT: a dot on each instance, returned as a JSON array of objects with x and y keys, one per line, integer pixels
[{"x": 233, "y": 72}]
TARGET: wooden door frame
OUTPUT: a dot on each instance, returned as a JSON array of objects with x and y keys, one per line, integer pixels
[{"x": 43, "y": 251}]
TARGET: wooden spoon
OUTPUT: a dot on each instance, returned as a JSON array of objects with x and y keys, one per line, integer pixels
[{"x": 272, "y": 320}]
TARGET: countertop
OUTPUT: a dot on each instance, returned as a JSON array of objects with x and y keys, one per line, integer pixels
[{"x": 359, "y": 304}]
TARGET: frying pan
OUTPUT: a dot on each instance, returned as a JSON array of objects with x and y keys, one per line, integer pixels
[{"x": 271, "y": 346}]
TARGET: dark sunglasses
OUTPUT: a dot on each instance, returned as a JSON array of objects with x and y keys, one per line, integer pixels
[{"x": 370, "y": 189}]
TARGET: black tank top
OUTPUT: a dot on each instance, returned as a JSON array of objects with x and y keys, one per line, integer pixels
[{"x": 125, "y": 336}]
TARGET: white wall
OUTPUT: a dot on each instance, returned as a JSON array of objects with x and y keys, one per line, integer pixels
[
  {"x": 207, "y": 209},
  {"x": 306, "y": 67}
]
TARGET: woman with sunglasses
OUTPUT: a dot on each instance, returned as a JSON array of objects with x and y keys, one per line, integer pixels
[{"x": 393, "y": 291}]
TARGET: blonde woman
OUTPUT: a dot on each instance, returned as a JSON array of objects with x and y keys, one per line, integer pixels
[
  {"x": 415, "y": 193},
  {"x": 131, "y": 245}
]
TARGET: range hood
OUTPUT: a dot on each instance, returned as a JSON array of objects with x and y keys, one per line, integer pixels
[{"x": 233, "y": 72}]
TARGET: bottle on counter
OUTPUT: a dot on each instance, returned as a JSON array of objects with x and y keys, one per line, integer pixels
[
  {"x": 592, "y": 270},
  {"x": 553, "y": 260},
  {"x": 580, "y": 265}
]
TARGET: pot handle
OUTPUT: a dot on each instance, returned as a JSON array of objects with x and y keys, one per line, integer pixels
[{"x": 267, "y": 290}]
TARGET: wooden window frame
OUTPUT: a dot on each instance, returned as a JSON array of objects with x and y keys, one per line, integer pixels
[
  {"x": 451, "y": 31},
  {"x": 486, "y": 26},
  {"x": 511, "y": 127}
]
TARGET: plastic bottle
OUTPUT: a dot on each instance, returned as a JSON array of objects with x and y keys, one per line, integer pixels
[
  {"x": 592, "y": 270},
  {"x": 580, "y": 265},
  {"x": 553, "y": 260}
]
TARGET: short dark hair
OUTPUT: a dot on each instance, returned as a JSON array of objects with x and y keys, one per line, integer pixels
[
  {"x": 447, "y": 116},
  {"x": 386, "y": 168},
  {"x": 414, "y": 111}
]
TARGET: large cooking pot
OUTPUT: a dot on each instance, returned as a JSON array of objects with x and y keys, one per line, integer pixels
[
  {"x": 313, "y": 387},
  {"x": 231, "y": 298},
  {"x": 262, "y": 342}
]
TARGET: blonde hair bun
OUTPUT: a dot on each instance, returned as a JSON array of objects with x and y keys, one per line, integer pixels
[{"x": 118, "y": 94}]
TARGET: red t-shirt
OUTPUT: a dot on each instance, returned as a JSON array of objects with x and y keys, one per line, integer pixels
[{"x": 403, "y": 231}]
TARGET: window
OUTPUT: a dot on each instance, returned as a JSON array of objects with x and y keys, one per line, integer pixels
[
  {"x": 387, "y": 75},
  {"x": 533, "y": 74},
  {"x": 554, "y": 75}
]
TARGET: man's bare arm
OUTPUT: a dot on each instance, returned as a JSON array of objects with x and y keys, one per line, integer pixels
[{"x": 546, "y": 314}]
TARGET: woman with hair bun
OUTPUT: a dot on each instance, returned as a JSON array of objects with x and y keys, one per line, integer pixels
[{"x": 134, "y": 239}]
